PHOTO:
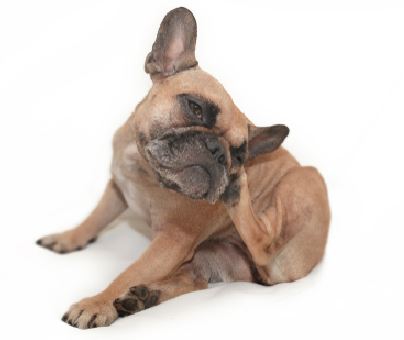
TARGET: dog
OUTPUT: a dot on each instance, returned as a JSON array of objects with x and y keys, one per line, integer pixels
[{"x": 224, "y": 200}]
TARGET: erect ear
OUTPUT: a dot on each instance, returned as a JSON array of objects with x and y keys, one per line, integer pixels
[
  {"x": 174, "y": 48},
  {"x": 265, "y": 139}
]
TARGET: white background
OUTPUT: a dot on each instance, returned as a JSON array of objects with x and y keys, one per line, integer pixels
[{"x": 70, "y": 74}]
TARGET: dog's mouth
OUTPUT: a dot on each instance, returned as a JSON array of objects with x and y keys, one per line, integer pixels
[{"x": 190, "y": 162}]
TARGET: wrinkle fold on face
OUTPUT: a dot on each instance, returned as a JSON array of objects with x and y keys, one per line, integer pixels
[{"x": 190, "y": 162}]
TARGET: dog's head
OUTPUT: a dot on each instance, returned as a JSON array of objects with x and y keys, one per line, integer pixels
[{"x": 188, "y": 127}]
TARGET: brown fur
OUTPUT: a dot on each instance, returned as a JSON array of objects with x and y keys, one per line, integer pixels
[{"x": 274, "y": 231}]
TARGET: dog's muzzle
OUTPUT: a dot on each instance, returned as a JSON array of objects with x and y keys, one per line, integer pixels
[{"x": 190, "y": 162}]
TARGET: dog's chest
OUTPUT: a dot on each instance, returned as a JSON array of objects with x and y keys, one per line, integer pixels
[{"x": 130, "y": 178}]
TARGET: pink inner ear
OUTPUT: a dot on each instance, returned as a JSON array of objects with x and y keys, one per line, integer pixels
[{"x": 175, "y": 49}]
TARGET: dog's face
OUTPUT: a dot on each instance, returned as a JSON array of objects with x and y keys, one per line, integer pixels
[{"x": 188, "y": 127}]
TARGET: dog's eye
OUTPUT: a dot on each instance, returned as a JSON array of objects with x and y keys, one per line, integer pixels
[{"x": 196, "y": 109}]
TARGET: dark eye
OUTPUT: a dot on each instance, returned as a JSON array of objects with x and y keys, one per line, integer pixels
[{"x": 196, "y": 109}]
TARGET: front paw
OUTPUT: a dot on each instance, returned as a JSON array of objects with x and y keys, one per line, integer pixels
[
  {"x": 136, "y": 299},
  {"x": 65, "y": 242},
  {"x": 90, "y": 313},
  {"x": 231, "y": 195}
]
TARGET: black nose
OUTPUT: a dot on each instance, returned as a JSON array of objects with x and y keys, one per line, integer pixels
[{"x": 217, "y": 150}]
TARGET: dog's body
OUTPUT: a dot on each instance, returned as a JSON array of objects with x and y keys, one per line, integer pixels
[{"x": 223, "y": 201}]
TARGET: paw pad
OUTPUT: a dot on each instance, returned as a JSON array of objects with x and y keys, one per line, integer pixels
[{"x": 138, "y": 298}]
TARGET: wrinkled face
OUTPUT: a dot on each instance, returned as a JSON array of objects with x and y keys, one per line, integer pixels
[
  {"x": 191, "y": 133},
  {"x": 191, "y": 162},
  {"x": 188, "y": 128}
]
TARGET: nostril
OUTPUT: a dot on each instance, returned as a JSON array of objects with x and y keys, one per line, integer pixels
[
  {"x": 213, "y": 146},
  {"x": 222, "y": 159},
  {"x": 215, "y": 151}
]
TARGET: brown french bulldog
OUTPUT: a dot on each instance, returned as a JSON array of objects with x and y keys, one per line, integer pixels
[{"x": 223, "y": 200}]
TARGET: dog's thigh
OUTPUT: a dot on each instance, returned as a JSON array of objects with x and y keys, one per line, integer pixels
[{"x": 305, "y": 220}]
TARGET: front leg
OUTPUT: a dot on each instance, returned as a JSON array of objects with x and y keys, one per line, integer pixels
[
  {"x": 168, "y": 250},
  {"x": 111, "y": 205},
  {"x": 257, "y": 230}
]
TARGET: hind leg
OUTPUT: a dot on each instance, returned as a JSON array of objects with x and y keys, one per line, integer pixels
[
  {"x": 303, "y": 238},
  {"x": 214, "y": 261},
  {"x": 286, "y": 239}
]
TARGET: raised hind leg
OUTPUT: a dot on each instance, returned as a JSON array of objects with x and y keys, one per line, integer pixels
[{"x": 286, "y": 239}]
